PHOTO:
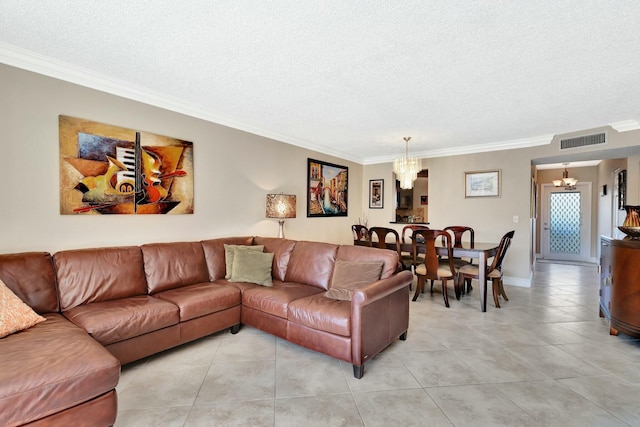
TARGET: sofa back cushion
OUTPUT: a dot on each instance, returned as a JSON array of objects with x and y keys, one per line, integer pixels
[
  {"x": 312, "y": 263},
  {"x": 281, "y": 249},
  {"x": 362, "y": 253},
  {"x": 215, "y": 255},
  {"x": 174, "y": 265},
  {"x": 31, "y": 277},
  {"x": 100, "y": 274}
]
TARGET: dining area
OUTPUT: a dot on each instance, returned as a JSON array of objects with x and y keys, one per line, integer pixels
[{"x": 449, "y": 256}]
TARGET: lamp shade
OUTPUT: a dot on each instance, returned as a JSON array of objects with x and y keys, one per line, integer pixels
[{"x": 281, "y": 206}]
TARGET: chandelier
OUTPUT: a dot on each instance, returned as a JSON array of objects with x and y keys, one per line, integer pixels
[
  {"x": 566, "y": 182},
  {"x": 406, "y": 168}
]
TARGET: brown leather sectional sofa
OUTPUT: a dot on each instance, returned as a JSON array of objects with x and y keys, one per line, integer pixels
[{"x": 110, "y": 306}]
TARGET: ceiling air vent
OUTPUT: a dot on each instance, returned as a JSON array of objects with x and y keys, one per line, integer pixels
[{"x": 583, "y": 141}]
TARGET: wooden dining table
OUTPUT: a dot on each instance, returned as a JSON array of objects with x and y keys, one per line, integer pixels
[{"x": 480, "y": 250}]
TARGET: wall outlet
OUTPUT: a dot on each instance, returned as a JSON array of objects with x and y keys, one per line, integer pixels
[{"x": 515, "y": 218}]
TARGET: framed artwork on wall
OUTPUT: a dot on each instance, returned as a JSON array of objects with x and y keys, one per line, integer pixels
[
  {"x": 106, "y": 169},
  {"x": 376, "y": 193},
  {"x": 327, "y": 189},
  {"x": 622, "y": 189},
  {"x": 482, "y": 183}
]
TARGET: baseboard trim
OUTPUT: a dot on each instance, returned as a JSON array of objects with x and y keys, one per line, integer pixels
[{"x": 522, "y": 282}]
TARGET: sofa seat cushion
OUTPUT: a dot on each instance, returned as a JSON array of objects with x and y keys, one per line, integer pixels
[
  {"x": 117, "y": 320},
  {"x": 275, "y": 300},
  {"x": 51, "y": 367},
  {"x": 201, "y": 299},
  {"x": 322, "y": 313}
]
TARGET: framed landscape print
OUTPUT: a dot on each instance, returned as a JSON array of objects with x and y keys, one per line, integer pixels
[
  {"x": 327, "y": 186},
  {"x": 376, "y": 193},
  {"x": 482, "y": 183}
]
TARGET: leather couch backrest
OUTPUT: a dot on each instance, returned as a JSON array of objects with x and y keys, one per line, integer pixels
[
  {"x": 173, "y": 265},
  {"x": 312, "y": 263},
  {"x": 214, "y": 254},
  {"x": 31, "y": 277},
  {"x": 100, "y": 274},
  {"x": 363, "y": 253},
  {"x": 281, "y": 249}
]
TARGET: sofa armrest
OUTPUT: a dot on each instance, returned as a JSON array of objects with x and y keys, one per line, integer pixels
[
  {"x": 380, "y": 289},
  {"x": 379, "y": 316}
]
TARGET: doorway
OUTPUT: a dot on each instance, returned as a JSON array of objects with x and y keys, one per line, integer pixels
[{"x": 566, "y": 222}]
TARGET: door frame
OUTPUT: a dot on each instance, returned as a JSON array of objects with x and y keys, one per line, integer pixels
[{"x": 585, "y": 189}]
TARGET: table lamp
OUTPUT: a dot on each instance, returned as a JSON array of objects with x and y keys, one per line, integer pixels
[{"x": 281, "y": 206}]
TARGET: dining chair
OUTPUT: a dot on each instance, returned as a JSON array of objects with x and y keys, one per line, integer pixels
[
  {"x": 407, "y": 256},
  {"x": 458, "y": 232},
  {"x": 380, "y": 241},
  {"x": 494, "y": 271},
  {"x": 361, "y": 236},
  {"x": 433, "y": 268}
]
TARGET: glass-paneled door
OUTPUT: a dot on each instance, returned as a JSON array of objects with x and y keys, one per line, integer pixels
[{"x": 566, "y": 223}]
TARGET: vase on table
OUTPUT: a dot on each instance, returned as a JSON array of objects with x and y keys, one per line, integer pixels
[{"x": 631, "y": 224}]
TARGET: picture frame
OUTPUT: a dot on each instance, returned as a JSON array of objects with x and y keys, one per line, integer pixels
[
  {"x": 622, "y": 189},
  {"x": 376, "y": 193},
  {"x": 424, "y": 200},
  {"x": 485, "y": 183},
  {"x": 327, "y": 189},
  {"x": 111, "y": 170}
]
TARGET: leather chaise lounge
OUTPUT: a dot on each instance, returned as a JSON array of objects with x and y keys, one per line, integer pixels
[{"x": 110, "y": 306}]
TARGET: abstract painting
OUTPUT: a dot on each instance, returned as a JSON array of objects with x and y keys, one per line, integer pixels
[{"x": 106, "y": 169}]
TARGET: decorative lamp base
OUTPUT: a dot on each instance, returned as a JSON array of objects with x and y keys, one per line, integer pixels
[{"x": 281, "y": 230}]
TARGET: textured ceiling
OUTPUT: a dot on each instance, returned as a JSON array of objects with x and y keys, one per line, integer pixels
[{"x": 350, "y": 78}]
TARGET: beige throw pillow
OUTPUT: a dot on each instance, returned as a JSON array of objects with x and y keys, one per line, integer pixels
[
  {"x": 228, "y": 255},
  {"x": 252, "y": 267},
  {"x": 15, "y": 315},
  {"x": 351, "y": 275}
]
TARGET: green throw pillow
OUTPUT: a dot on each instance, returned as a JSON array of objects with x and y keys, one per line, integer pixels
[
  {"x": 228, "y": 255},
  {"x": 252, "y": 267},
  {"x": 351, "y": 275}
]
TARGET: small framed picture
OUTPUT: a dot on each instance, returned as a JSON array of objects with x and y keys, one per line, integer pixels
[
  {"x": 424, "y": 200},
  {"x": 376, "y": 193},
  {"x": 482, "y": 183}
]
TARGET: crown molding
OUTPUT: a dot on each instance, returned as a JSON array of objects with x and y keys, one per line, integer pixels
[
  {"x": 625, "y": 125},
  {"x": 457, "y": 151},
  {"x": 40, "y": 64}
]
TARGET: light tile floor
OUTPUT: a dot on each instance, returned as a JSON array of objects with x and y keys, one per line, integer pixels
[{"x": 544, "y": 359}]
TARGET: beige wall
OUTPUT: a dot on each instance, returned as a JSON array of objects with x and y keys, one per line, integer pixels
[
  {"x": 233, "y": 172},
  {"x": 492, "y": 217},
  {"x": 606, "y": 210}
]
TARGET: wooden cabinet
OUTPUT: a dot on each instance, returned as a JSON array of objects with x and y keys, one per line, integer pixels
[{"x": 624, "y": 303}]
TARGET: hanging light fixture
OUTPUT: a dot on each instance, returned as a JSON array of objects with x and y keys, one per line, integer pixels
[
  {"x": 407, "y": 168},
  {"x": 566, "y": 182}
]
